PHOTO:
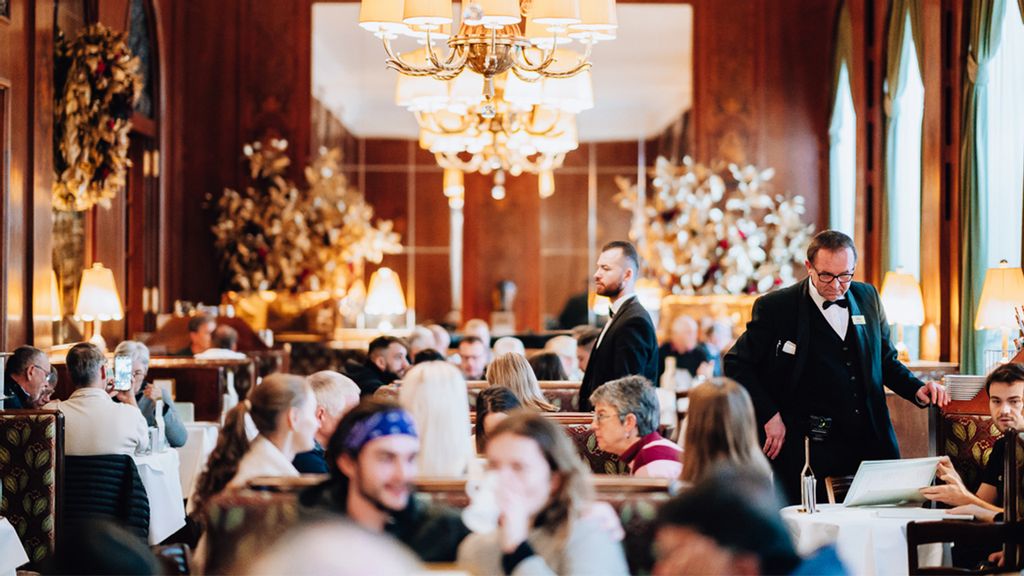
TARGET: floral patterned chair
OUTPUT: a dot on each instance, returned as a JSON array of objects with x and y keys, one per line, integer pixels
[
  {"x": 31, "y": 466},
  {"x": 968, "y": 439},
  {"x": 241, "y": 523},
  {"x": 600, "y": 462}
]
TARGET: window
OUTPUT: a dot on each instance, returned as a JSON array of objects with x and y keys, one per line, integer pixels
[
  {"x": 905, "y": 174},
  {"x": 1003, "y": 133},
  {"x": 843, "y": 158}
]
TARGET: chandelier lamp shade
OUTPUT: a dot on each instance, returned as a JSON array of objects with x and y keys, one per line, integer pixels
[{"x": 494, "y": 37}]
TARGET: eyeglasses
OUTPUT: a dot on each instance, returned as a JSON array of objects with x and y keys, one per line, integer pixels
[
  {"x": 827, "y": 278},
  {"x": 51, "y": 374},
  {"x": 600, "y": 417}
]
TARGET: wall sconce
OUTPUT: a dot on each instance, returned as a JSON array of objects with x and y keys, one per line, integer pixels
[
  {"x": 98, "y": 300},
  {"x": 384, "y": 297},
  {"x": 904, "y": 306},
  {"x": 1002, "y": 291}
]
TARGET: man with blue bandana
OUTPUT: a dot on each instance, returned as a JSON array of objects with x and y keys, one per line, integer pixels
[{"x": 372, "y": 461}]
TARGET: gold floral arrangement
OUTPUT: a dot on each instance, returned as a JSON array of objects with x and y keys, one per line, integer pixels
[
  {"x": 273, "y": 236},
  {"x": 712, "y": 230},
  {"x": 98, "y": 83}
]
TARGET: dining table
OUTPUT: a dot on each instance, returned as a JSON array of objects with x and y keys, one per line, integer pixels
[{"x": 160, "y": 473}]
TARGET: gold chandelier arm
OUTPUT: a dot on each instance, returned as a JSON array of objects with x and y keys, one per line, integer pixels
[
  {"x": 525, "y": 76},
  {"x": 542, "y": 69},
  {"x": 455, "y": 62},
  {"x": 442, "y": 71},
  {"x": 529, "y": 127},
  {"x": 451, "y": 160},
  {"x": 522, "y": 61}
]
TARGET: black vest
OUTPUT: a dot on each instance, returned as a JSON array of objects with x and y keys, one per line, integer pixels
[{"x": 832, "y": 383}]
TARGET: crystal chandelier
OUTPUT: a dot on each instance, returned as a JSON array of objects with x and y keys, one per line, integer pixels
[
  {"x": 489, "y": 40},
  {"x": 531, "y": 129}
]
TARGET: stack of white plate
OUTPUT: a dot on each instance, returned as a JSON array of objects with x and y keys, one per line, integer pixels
[{"x": 963, "y": 386}]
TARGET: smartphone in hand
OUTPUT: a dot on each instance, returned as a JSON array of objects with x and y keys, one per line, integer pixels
[{"x": 122, "y": 373}]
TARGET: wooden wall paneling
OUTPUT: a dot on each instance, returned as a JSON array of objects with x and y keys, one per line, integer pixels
[
  {"x": 563, "y": 240},
  {"x": 41, "y": 122},
  {"x": 16, "y": 84},
  {"x": 114, "y": 13},
  {"x": 5, "y": 238},
  {"x": 761, "y": 90},
  {"x": 953, "y": 55},
  {"x": 858, "y": 80},
  {"x": 931, "y": 179},
  {"x": 210, "y": 144},
  {"x": 276, "y": 83},
  {"x": 109, "y": 231},
  {"x": 502, "y": 242}
]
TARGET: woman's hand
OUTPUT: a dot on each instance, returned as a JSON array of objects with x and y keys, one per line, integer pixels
[
  {"x": 514, "y": 521},
  {"x": 153, "y": 392}
]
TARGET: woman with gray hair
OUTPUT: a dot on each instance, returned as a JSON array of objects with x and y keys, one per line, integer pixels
[
  {"x": 626, "y": 424},
  {"x": 147, "y": 395}
]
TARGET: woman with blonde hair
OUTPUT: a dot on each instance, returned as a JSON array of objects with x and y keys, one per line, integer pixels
[
  {"x": 283, "y": 408},
  {"x": 435, "y": 395},
  {"x": 543, "y": 493},
  {"x": 513, "y": 371},
  {"x": 720, "y": 427}
]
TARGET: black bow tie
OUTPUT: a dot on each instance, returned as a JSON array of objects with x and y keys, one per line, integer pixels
[{"x": 841, "y": 303}]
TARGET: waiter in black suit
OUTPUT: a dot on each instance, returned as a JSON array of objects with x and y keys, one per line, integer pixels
[
  {"x": 815, "y": 358},
  {"x": 627, "y": 345}
]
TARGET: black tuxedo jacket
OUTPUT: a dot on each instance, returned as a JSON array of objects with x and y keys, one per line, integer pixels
[
  {"x": 629, "y": 347},
  {"x": 759, "y": 360}
]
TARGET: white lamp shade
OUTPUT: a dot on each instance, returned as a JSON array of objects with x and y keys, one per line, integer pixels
[
  {"x": 385, "y": 296},
  {"x": 1002, "y": 291},
  {"x": 466, "y": 89},
  {"x": 420, "y": 93},
  {"x": 555, "y": 12},
  {"x": 597, "y": 15},
  {"x": 498, "y": 13},
  {"x": 54, "y": 312},
  {"x": 97, "y": 297},
  {"x": 382, "y": 16},
  {"x": 521, "y": 93},
  {"x": 427, "y": 12},
  {"x": 600, "y": 305},
  {"x": 540, "y": 35},
  {"x": 574, "y": 94},
  {"x": 901, "y": 298},
  {"x": 441, "y": 34}
]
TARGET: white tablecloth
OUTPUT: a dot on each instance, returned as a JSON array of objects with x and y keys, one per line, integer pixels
[
  {"x": 160, "y": 475},
  {"x": 867, "y": 545},
  {"x": 12, "y": 554},
  {"x": 202, "y": 437}
]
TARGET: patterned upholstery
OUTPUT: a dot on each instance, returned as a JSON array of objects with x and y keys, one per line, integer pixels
[
  {"x": 600, "y": 462},
  {"x": 240, "y": 523},
  {"x": 968, "y": 439},
  {"x": 565, "y": 399},
  {"x": 31, "y": 464}
]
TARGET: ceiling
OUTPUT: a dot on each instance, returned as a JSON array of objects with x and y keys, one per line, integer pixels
[{"x": 643, "y": 80}]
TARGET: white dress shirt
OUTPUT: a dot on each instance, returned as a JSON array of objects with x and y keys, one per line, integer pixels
[
  {"x": 94, "y": 424},
  {"x": 262, "y": 459},
  {"x": 615, "y": 307},
  {"x": 836, "y": 316}
]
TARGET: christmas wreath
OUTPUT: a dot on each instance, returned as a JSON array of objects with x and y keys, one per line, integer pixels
[{"x": 98, "y": 82}]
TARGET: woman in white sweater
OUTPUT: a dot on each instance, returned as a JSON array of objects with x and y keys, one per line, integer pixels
[
  {"x": 283, "y": 408},
  {"x": 543, "y": 494}
]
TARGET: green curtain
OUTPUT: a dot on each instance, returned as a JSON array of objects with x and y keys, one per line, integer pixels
[
  {"x": 843, "y": 52},
  {"x": 894, "y": 57},
  {"x": 985, "y": 26},
  {"x": 842, "y": 55}
]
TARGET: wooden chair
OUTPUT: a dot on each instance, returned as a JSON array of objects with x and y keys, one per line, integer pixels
[
  {"x": 837, "y": 487},
  {"x": 32, "y": 469},
  {"x": 963, "y": 533}
]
